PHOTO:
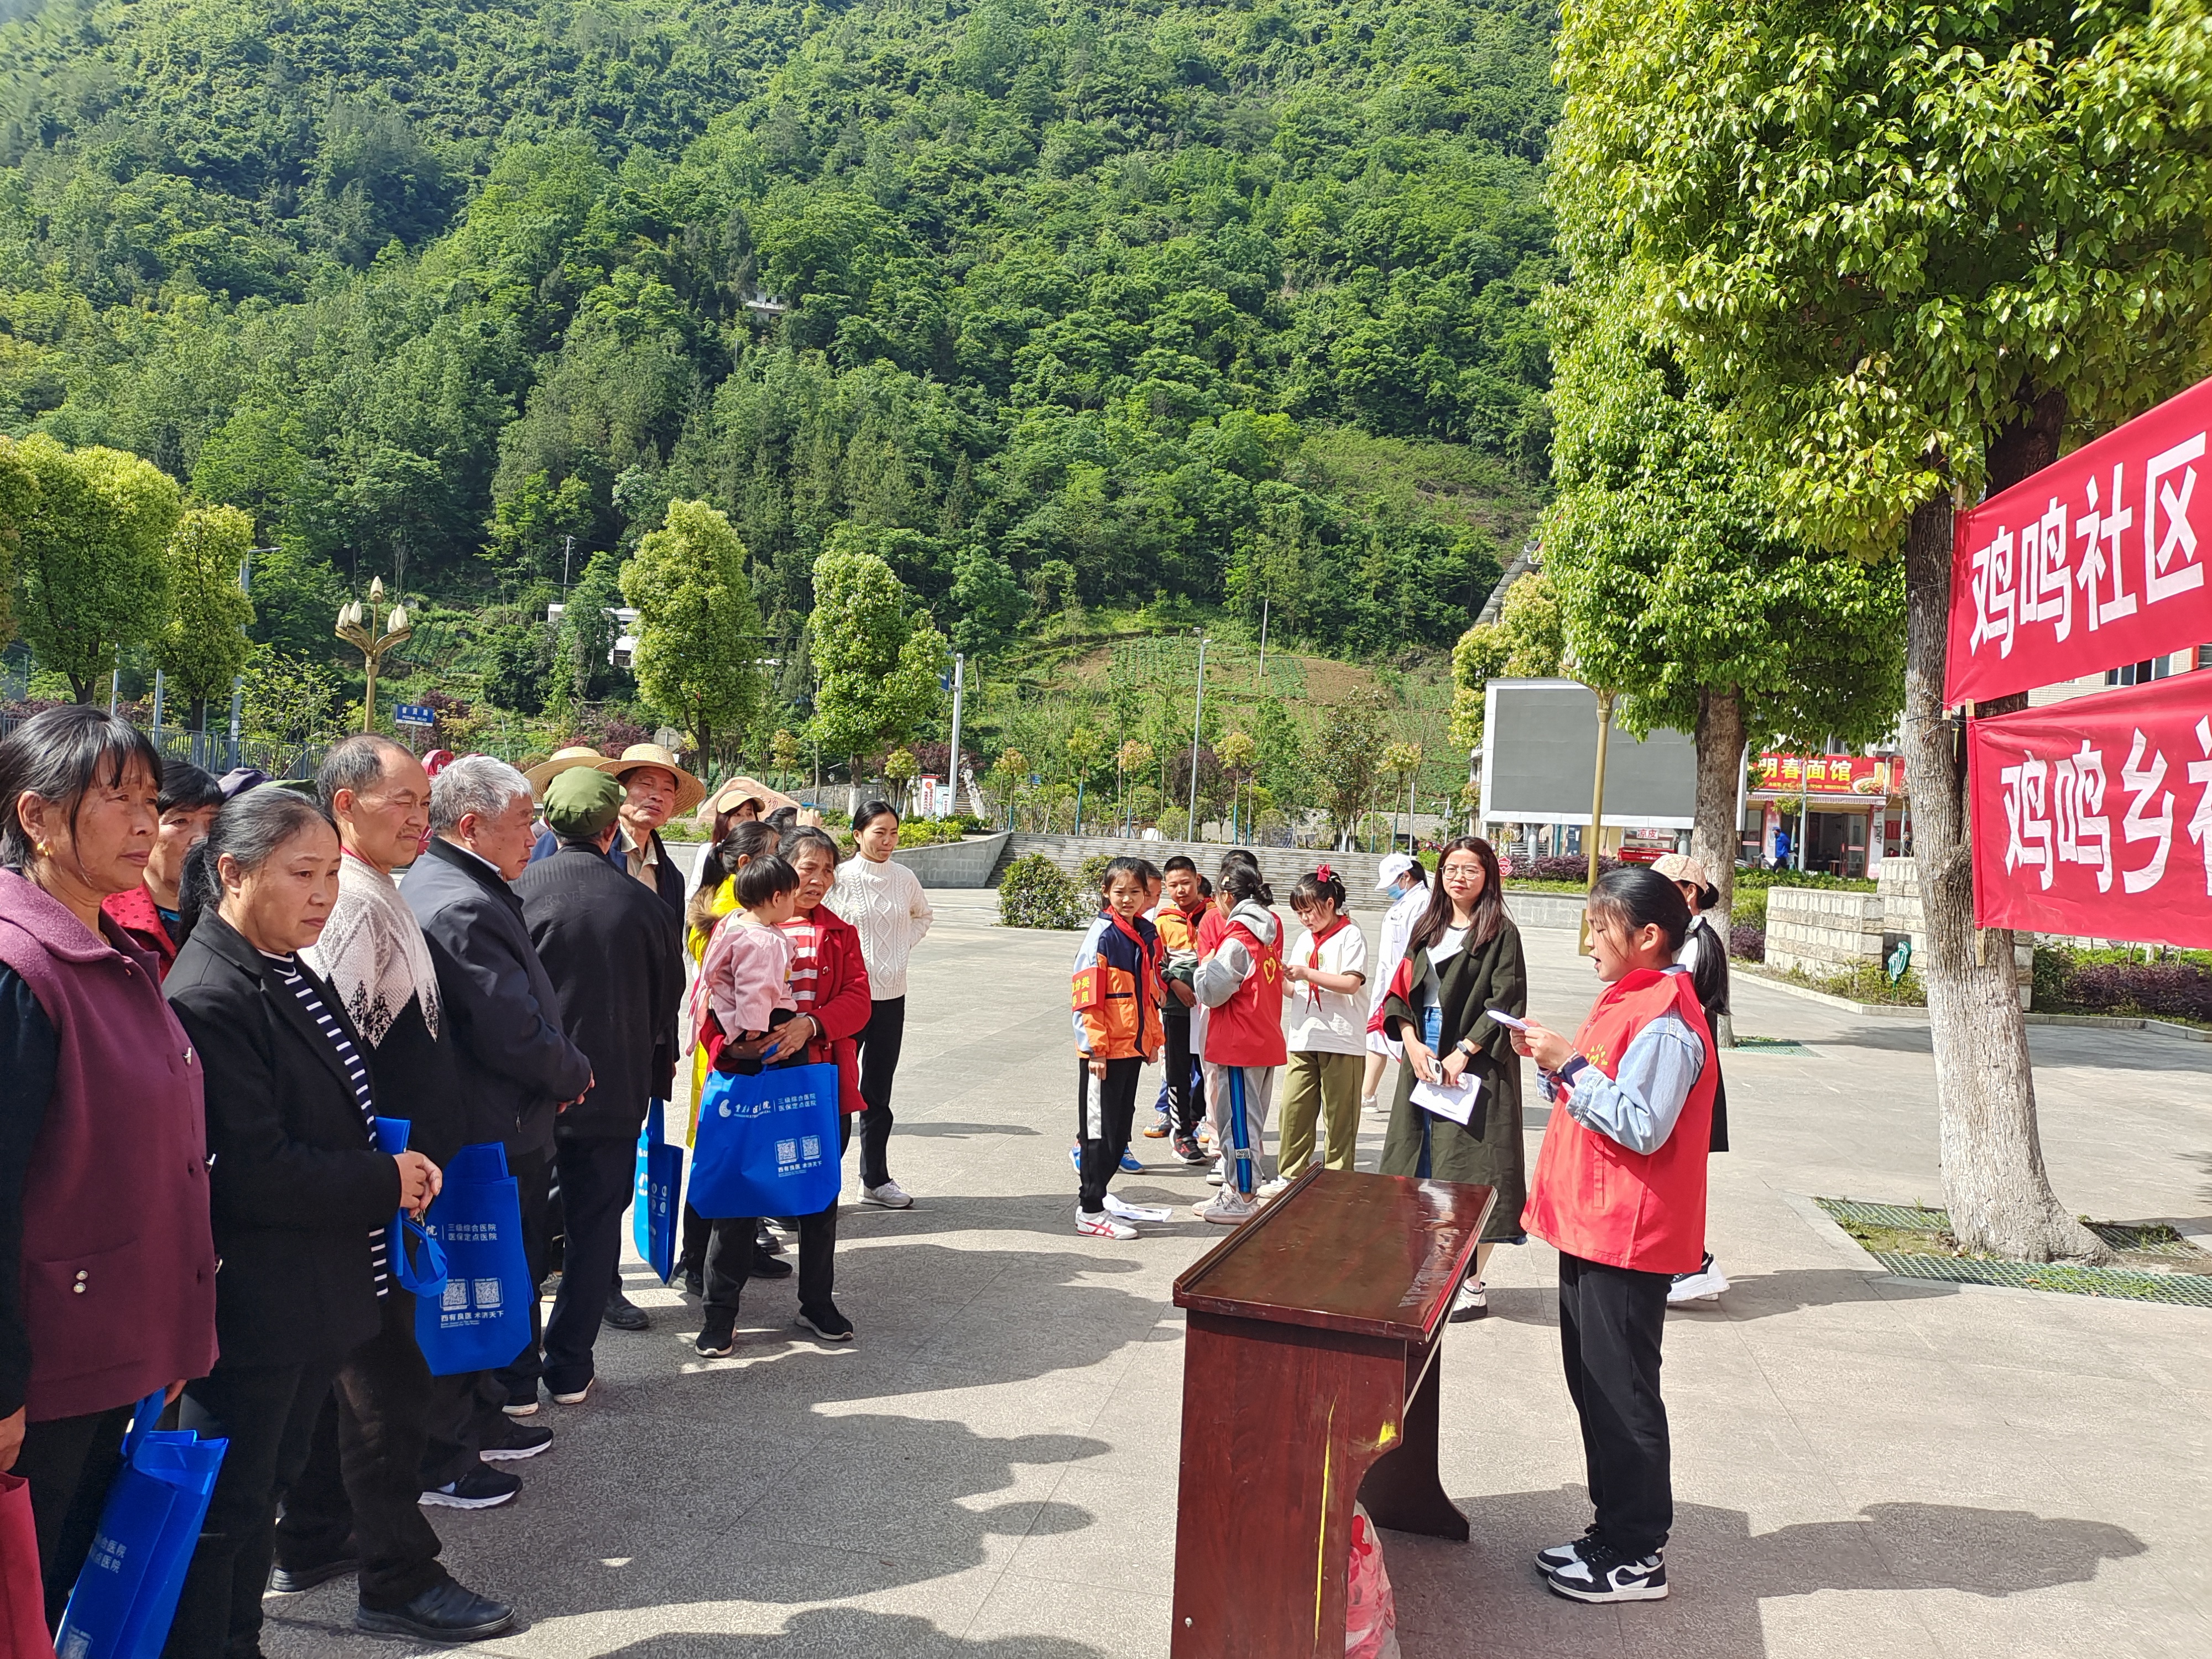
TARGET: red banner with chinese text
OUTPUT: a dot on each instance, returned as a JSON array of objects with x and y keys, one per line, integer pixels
[
  {"x": 2094, "y": 816},
  {"x": 2096, "y": 561}
]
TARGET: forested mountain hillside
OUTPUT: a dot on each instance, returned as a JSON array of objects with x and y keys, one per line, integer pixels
[{"x": 1052, "y": 304}]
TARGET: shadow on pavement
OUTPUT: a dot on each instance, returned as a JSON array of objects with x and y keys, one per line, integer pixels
[
  {"x": 850, "y": 1633},
  {"x": 925, "y": 1129},
  {"x": 1752, "y": 1296},
  {"x": 1719, "y": 1572}
]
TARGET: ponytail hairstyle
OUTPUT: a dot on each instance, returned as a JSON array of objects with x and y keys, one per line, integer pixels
[
  {"x": 251, "y": 829},
  {"x": 1316, "y": 885},
  {"x": 749, "y": 838},
  {"x": 1636, "y": 896},
  {"x": 1708, "y": 974},
  {"x": 1243, "y": 883},
  {"x": 1708, "y": 897},
  {"x": 1489, "y": 903}
]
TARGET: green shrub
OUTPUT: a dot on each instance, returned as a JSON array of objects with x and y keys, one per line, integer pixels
[
  {"x": 1175, "y": 824},
  {"x": 1035, "y": 892},
  {"x": 1091, "y": 874}
]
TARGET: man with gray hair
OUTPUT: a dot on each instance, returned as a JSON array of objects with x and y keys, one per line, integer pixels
[{"x": 517, "y": 1066}]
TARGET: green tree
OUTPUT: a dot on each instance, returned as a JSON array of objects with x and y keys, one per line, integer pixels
[
  {"x": 1345, "y": 759},
  {"x": 1675, "y": 589},
  {"x": 698, "y": 633},
  {"x": 1911, "y": 250},
  {"x": 1085, "y": 749},
  {"x": 19, "y": 496},
  {"x": 1236, "y": 753},
  {"x": 90, "y": 560},
  {"x": 1402, "y": 761},
  {"x": 202, "y": 646},
  {"x": 880, "y": 667},
  {"x": 584, "y": 643}
]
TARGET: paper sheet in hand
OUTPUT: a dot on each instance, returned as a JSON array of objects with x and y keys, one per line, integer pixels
[{"x": 1455, "y": 1103}]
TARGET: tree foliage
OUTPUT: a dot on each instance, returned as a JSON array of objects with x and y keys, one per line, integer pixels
[
  {"x": 90, "y": 560},
  {"x": 879, "y": 666},
  {"x": 203, "y": 646},
  {"x": 1196, "y": 302},
  {"x": 698, "y": 631}
]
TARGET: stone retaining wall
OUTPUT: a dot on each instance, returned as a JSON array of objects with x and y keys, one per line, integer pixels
[
  {"x": 1821, "y": 931},
  {"x": 969, "y": 863}
]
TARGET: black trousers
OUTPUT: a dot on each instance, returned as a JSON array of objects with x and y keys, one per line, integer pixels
[
  {"x": 268, "y": 1413},
  {"x": 697, "y": 1230},
  {"x": 363, "y": 1479},
  {"x": 1611, "y": 1320},
  {"x": 599, "y": 1178},
  {"x": 70, "y": 1461},
  {"x": 1102, "y": 1127},
  {"x": 879, "y": 1042},
  {"x": 730, "y": 1253},
  {"x": 465, "y": 1410},
  {"x": 533, "y": 1180},
  {"x": 1185, "y": 1094}
]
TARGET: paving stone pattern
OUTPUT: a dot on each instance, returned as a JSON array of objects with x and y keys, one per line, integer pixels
[{"x": 1864, "y": 1466}]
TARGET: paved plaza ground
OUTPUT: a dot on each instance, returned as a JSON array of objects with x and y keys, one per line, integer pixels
[{"x": 1864, "y": 1466}]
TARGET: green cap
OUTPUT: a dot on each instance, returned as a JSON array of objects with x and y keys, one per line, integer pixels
[{"x": 581, "y": 802}]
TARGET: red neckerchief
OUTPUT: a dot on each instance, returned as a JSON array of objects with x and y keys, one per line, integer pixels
[{"x": 1313, "y": 956}]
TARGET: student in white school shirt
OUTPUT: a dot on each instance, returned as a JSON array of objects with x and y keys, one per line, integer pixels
[
  {"x": 1400, "y": 875},
  {"x": 1325, "y": 1011}
]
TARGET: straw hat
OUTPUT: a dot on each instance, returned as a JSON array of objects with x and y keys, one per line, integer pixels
[
  {"x": 737, "y": 789},
  {"x": 546, "y": 771},
  {"x": 690, "y": 791}
]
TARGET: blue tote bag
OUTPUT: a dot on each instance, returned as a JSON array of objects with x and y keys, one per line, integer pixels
[
  {"x": 481, "y": 1319},
  {"x": 767, "y": 1144},
  {"x": 418, "y": 1262},
  {"x": 126, "y": 1598},
  {"x": 659, "y": 1194}
]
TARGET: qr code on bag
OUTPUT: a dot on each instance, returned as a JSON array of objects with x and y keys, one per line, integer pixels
[{"x": 486, "y": 1293}]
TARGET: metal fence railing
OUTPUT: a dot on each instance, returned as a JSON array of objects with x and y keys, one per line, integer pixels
[{"x": 217, "y": 752}]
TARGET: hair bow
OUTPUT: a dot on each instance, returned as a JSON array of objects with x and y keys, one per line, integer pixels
[{"x": 1325, "y": 872}]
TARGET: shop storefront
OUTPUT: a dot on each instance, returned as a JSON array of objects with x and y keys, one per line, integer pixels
[{"x": 1831, "y": 814}]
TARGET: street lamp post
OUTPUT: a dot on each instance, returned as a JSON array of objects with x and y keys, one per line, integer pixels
[
  {"x": 1197, "y": 723},
  {"x": 359, "y": 629}
]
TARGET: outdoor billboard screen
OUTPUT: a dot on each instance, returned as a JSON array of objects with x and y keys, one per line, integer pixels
[{"x": 1540, "y": 758}]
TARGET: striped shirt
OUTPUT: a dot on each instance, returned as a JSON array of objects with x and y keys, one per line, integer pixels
[
  {"x": 805, "y": 939},
  {"x": 287, "y": 969}
]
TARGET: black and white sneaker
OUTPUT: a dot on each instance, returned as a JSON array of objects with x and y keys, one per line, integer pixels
[
  {"x": 1704, "y": 1285},
  {"x": 1601, "y": 1573},
  {"x": 514, "y": 1442},
  {"x": 1560, "y": 1555},
  {"x": 826, "y": 1322},
  {"x": 481, "y": 1488},
  {"x": 1470, "y": 1301}
]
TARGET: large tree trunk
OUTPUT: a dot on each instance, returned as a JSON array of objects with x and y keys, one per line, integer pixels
[
  {"x": 1713, "y": 838},
  {"x": 1995, "y": 1186}
]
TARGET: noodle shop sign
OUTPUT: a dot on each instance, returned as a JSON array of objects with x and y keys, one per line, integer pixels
[{"x": 1863, "y": 776}]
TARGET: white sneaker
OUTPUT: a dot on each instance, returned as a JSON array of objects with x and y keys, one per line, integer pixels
[
  {"x": 1097, "y": 1224},
  {"x": 890, "y": 1195},
  {"x": 1372, "y": 1105},
  {"x": 1213, "y": 1176},
  {"x": 1227, "y": 1208},
  {"x": 1273, "y": 1188},
  {"x": 1704, "y": 1285},
  {"x": 1469, "y": 1302}
]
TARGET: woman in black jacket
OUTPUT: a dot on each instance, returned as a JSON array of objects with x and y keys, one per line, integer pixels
[{"x": 302, "y": 1199}]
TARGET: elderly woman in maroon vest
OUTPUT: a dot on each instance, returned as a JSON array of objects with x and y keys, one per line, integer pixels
[{"x": 106, "y": 1261}]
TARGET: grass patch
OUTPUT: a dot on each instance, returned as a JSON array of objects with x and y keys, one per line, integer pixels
[{"x": 2152, "y": 1261}]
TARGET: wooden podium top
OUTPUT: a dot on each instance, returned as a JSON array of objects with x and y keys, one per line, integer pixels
[{"x": 1374, "y": 1256}]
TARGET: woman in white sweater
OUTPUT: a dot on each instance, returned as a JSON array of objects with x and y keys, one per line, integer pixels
[{"x": 883, "y": 902}]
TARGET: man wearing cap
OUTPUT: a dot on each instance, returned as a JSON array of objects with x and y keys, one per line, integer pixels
[{"x": 612, "y": 950}]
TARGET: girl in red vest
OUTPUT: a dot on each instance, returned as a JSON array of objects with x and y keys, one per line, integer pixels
[
  {"x": 1619, "y": 1188},
  {"x": 1240, "y": 987}
]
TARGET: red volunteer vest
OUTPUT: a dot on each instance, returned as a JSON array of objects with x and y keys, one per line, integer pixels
[
  {"x": 1247, "y": 1029},
  {"x": 1593, "y": 1198}
]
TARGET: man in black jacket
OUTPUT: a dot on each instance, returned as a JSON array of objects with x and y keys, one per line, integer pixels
[
  {"x": 613, "y": 952},
  {"x": 516, "y": 1067}
]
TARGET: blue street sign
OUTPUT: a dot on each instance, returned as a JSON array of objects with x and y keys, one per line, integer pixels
[{"x": 414, "y": 714}]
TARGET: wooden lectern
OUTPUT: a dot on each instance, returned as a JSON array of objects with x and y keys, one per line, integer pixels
[{"x": 1310, "y": 1381}]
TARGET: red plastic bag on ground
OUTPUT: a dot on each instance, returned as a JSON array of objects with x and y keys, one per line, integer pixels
[
  {"x": 1371, "y": 1625},
  {"x": 22, "y": 1597}
]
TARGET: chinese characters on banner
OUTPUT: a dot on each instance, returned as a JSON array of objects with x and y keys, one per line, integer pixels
[
  {"x": 2094, "y": 817},
  {"x": 2097, "y": 560},
  {"x": 1864, "y": 776}
]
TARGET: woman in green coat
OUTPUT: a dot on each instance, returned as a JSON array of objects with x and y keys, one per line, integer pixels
[{"x": 1462, "y": 959}]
